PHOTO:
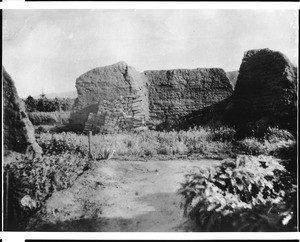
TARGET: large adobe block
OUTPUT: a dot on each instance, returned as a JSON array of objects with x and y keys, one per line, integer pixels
[
  {"x": 176, "y": 93},
  {"x": 107, "y": 83},
  {"x": 18, "y": 131},
  {"x": 265, "y": 92},
  {"x": 124, "y": 114}
]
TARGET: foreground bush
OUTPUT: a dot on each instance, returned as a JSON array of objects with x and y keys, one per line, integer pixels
[
  {"x": 246, "y": 194},
  {"x": 32, "y": 181},
  {"x": 56, "y": 144}
]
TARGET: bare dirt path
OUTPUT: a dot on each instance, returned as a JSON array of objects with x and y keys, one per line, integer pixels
[{"x": 119, "y": 196}]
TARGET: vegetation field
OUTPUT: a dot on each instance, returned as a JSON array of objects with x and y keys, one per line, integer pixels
[
  {"x": 252, "y": 189},
  {"x": 198, "y": 142}
]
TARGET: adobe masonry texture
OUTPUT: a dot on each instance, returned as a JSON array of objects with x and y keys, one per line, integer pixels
[
  {"x": 176, "y": 93},
  {"x": 166, "y": 95},
  {"x": 107, "y": 83},
  {"x": 266, "y": 90},
  {"x": 265, "y": 95},
  {"x": 18, "y": 131},
  {"x": 123, "y": 114}
]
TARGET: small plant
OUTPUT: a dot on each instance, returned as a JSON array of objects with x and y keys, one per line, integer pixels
[
  {"x": 220, "y": 198},
  {"x": 252, "y": 146},
  {"x": 274, "y": 135},
  {"x": 106, "y": 155},
  {"x": 223, "y": 134}
]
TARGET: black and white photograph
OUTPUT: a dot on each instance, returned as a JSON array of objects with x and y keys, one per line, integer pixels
[{"x": 150, "y": 120}]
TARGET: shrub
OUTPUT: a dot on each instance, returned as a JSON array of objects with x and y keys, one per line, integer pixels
[
  {"x": 252, "y": 146},
  {"x": 274, "y": 140},
  {"x": 223, "y": 134},
  {"x": 274, "y": 135},
  {"x": 43, "y": 104},
  {"x": 288, "y": 153},
  {"x": 221, "y": 198},
  {"x": 56, "y": 144},
  {"x": 180, "y": 148},
  {"x": 39, "y": 177},
  {"x": 40, "y": 130},
  {"x": 35, "y": 180}
]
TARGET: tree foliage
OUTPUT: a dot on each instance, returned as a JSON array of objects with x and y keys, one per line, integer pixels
[{"x": 43, "y": 104}]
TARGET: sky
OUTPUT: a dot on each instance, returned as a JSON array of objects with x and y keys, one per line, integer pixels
[{"x": 48, "y": 49}]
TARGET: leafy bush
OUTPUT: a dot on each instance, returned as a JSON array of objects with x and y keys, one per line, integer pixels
[
  {"x": 56, "y": 144},
  {"x": 221, "y": 198},
  {"x": 39, "y": 177},
  {"x": 36, "y": 179}
]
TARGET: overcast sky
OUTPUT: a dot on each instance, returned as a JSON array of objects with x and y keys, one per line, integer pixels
[{"x": 49, "y": 49}]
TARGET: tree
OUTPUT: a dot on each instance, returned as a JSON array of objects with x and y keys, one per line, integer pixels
[
  {"x": 45, "y": 105},
  {"x": 30, "y": 103}
]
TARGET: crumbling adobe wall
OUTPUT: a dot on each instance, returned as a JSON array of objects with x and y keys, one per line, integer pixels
[
  {"x": 176, "y": 93},
  {"x": 124, "y": 114},
  {"x": 107, "y": 83},
  {"x": 165, "y": 95},
  {"x": 265, "y": 95},
  {"x": 265, "y": 92},
  {"x": 18, "y": 131}
]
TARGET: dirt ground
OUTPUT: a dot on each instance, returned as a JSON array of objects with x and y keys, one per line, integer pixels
[{"x": 122, "y": 196}]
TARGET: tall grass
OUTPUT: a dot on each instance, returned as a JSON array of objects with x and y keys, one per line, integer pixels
[
  {"x": 273, "y": 140},
  {"x": 49, "y": 118},
  {"x": 198, "y": 141}
]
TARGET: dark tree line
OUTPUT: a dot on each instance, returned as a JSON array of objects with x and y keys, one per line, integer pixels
[{"x": 43, "y": 104}]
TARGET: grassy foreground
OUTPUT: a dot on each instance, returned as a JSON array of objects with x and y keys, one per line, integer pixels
[
  {"x": 66, "y": 156},
  {"x": 194, "y": 143}
]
